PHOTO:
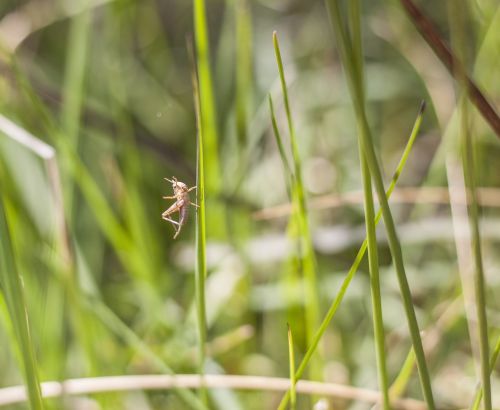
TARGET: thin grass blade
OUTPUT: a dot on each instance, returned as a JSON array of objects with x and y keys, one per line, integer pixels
[
  {"x": 291, "y": 360},
  {"x": 281, "y": 147},
  {"x": 493, "y": 361},
  {"x": 357, "y": 261},
  {"x": 369, "y": 151},
  {"x": 201, "y": 264},
  {"x": 298, "y": 198},
  {"x": 12, "y": 287},
  {"x": 216, "y": 220},
  {"x": 243, "y": 20},
  {"x": 371, "y": 237}
]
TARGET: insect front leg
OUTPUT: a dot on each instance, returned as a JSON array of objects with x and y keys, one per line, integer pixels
[{"x": 192, "y": 203}]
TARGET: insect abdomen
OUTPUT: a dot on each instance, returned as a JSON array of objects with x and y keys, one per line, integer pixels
[{"x": 184, "y": 210}]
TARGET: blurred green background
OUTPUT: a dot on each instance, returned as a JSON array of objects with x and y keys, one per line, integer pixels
[{"x": 107, "y": 86}]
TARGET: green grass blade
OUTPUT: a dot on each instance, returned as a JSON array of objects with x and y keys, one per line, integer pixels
[
  {"x": 243, "y": 66},
  {"x": 378, "y": 324},
  {"x": 216, "y": 217},
  {"x": 401, "y": 381},
  {"x": 369, "y": 151},
  {"x": 298, "y": 197},
  {"x": 201, "y": 264},
  {"x": 11, "y": 284},
  {"x": 111, "y": 227},
  {"x": 281, "y": 148},
  {"x": 371, "y": 237},
  {"x": 493, "y": 361},
  {"x": 207, "y": 99},
  {"x": 73, "y": 90},
  {"x": 78, "y": 40},
  {"x": 291, "y": 359},
  {"x": 357, "y": 261}
]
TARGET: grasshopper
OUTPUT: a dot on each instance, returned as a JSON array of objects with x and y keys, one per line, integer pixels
[{"x": 181, "y": 205}]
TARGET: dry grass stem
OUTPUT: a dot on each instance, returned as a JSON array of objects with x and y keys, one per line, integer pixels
[
  {"x": 17, "y": 394},
  {"x": 488, "y": 197}
]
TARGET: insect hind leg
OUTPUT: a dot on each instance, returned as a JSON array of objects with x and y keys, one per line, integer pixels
[
  {"x": 175, "y": 223},
  {"x": 177, "y": 232}
]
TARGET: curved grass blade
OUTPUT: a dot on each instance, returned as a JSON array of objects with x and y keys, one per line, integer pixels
[{"x": 11, "y": 284}]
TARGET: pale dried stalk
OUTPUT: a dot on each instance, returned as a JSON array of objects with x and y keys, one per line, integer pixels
[
  {"x": 489, "y": 197},
  {"x": 17, "y": 394},
  {"x": 462, "y": 233},
  {"x": 49, "y": 156}
]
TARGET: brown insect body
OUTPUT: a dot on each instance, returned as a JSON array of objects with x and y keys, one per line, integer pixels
[{"x": 181, "y": 205}]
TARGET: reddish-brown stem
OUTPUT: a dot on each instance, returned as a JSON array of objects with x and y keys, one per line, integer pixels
[{"x": 431, "y": 35}]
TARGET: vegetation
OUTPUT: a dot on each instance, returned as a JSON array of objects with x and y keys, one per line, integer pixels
[{"x": 290, "y": 118}]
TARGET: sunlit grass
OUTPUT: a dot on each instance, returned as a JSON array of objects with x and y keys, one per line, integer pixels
[{"x": 109, "y": 89}]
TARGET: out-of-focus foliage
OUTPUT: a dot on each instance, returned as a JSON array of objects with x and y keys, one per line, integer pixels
[{"x": 107, "y": 86}]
